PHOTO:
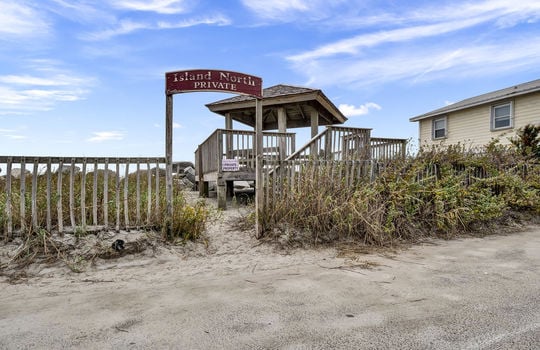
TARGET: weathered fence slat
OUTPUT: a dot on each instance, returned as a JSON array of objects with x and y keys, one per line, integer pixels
[
  {"x": 9, "y": 229},
  {"x": 59, "y": 209},
  {"x": 117, "y": 191},
  {"x": 83, "y": 195},
  {"x": 48, "y": 194},
  {"x": 149, "y": 194},
  {"x": 126, "y": 204},
  {"x": 95, "y": 195},
  {"x": 22, "y": 206},
  {"x": 138, "y": 195},
  {"x": 106, "y": 194},
  {"x": 34, "y": 196},
  {"x": 72, "y": 193}
]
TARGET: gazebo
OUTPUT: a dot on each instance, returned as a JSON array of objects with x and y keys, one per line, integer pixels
[
  {"x": 284, "y": 107},
  {"x": 228, "y": 155}
]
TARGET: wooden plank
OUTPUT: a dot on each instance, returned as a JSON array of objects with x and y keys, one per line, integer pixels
[
  {"x": 157, "y": 188},
  {"x": 117, "y": 196},
  {"x": 48, "y": 194},
  {"x": 149, "y": 193},
  {"x": 106, "y": 195},
  {"x": 138, "y": 195},
  {"x": 83, "y": 195},
  {"x": 72, "y": 194},
  {"x": 59, "y": 209},
  {"x": 9, "y": 215},
  {"x": 126, "y": 194},
  {"x": 34, "y": 196},
  {"x": 259, "y": 194},
  {"x": 95, "y": 195},
  {"x": 23, "y": 196},
  {"x": 168, "y": 156},
  {"x": 65, "y": 160}
]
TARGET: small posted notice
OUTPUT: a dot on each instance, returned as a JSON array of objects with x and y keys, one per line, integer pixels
[{"x": 230, "y": 165}]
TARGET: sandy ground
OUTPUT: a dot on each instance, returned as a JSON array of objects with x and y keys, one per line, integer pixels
[{"x": 236, "y": 293}]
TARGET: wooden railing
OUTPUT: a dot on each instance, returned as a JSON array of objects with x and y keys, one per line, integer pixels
[
  {"x": 240, "y": 145},
  {"x": 346, "y": 144},
  {"x": 65, "y": 194},
  {"x": 336, "y": 143},
  {"x": 385, "y": 149}
]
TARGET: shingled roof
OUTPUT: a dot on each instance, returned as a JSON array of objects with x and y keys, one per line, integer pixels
[
  {"x": 517, "y": 90},
  {"x": 297, "y": 101}
]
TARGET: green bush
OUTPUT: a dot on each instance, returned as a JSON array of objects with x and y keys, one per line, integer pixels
[
  {"x": 188, "y": 221},
  {"x": 439, "y": 192}
]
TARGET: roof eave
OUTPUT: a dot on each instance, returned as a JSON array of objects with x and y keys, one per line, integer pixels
[{"x": 471, "y": 105}]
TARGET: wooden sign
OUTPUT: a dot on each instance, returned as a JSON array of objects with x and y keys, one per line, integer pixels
[{"x": 212, "y": 80}]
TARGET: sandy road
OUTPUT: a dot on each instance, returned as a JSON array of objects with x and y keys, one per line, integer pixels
[{"x": 473, "y": 293}]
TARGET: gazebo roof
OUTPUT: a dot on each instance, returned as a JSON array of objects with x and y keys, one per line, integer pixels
[{"x": 298, "y": 103}]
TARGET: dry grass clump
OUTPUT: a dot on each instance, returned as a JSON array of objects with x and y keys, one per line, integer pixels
[{"x": 440, "y": 192}]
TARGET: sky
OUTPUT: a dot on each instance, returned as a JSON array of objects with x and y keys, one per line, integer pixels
[{"x": 87, "y": 78}]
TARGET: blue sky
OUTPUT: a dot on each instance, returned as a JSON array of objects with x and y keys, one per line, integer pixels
[{"x": 86, "y": 78}]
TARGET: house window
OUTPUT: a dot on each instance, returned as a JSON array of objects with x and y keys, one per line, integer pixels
[
  {"x": 501, "y": 116},
  {"x": 439, "y": 128}
]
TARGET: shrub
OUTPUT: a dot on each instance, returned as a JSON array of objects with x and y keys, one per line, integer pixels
[{"x": 439, "y": 192}]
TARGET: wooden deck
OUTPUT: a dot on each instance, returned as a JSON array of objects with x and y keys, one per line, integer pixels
[{"x": 335, "y": 145}]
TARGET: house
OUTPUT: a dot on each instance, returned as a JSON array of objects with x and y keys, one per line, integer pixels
[{"x": 477, "y": 120}]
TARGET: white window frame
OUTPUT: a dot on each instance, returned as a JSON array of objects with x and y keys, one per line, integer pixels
[
  {"x": 434, "y": 131},
  {"x": 510, "y": 125}
]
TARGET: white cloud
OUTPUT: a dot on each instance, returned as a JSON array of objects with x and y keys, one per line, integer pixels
[
  {"x": 352, "y": 111},
  {"x": 275, "y": 8},
  {"x": 12, "y": 134},
  {"x": 159, "y": 6},
  {"x": 41, "y": 89},
  {"x": 429, "y": 43},
  {"x": 176, "y": 126},
  {"x": 353, "y": 45},
  {"x": 100, "y": 136},
  {"x": 434, "y": 63},
  {"x": 128, "y": 26},
  {"x": 20, "y": 20},
  {"x": 306, "y": 11}
]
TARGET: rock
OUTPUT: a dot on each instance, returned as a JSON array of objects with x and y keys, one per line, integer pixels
[
  {"x": 66, "y": 169},
  {"x": 179, "y": 167},
  {"x": 16, "y": 172},
  {"x": 241, "y": 184},
  {"x": 190, "y": 174}
]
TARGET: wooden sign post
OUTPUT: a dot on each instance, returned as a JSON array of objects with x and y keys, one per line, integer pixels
[{"x": 212, "y": 80}]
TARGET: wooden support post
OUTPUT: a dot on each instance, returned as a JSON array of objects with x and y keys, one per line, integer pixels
[
  {"x": 314, "y": 131},
  {"x": 229, "y": 137},
  {"x": 168, "y": 159},
  {"x": 221, "y": 186},
  {"x": 203, "y": 186},
  {"x": 221, "y": 192},
  {"x": 282, "y": 128},
  {"x": 259, "y": 193}
]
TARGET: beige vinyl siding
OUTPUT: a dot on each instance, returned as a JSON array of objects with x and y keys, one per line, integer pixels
[{"x": 472, "y": 126}]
